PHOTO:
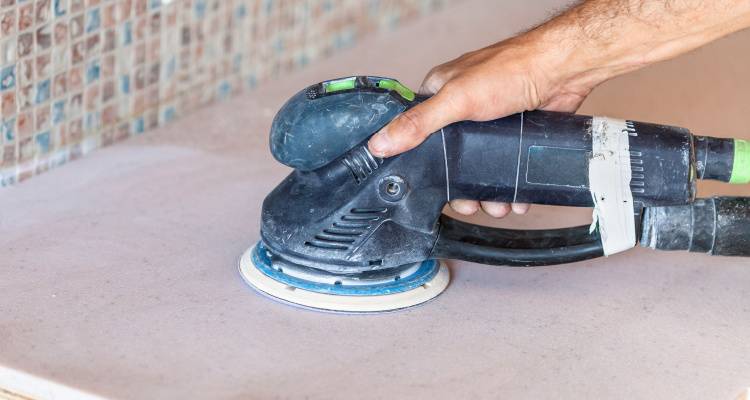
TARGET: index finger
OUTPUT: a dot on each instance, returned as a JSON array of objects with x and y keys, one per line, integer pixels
[{"x": 412, "y": 127}]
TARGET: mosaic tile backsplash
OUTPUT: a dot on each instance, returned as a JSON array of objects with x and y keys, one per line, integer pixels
[{"x": 80, "y": 74}]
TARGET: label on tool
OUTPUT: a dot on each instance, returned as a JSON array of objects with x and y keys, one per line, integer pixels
[{"x": 609, "y": 182}]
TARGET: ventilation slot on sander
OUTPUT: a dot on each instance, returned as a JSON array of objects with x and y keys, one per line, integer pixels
[{"x": 342, "y": 234}]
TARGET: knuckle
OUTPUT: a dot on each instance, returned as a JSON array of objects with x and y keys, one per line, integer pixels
[
  {"x": 430, "y": 86},
  {"x": 457, "y": 98},
  {"x": 411, "y": 123},
  {"x": 433, "y": 81},
  {"x": 434, "y": 74}
]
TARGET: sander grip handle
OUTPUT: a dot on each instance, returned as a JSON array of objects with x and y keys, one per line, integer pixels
[
  {"x": 512, "y": 247},
  {"x": 543, "y": 157}
]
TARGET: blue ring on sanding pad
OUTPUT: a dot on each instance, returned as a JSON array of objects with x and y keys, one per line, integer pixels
[{"x": 426, "y": 271}]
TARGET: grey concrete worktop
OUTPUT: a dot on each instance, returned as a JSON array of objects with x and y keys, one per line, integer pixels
[{"x": 118, "y": 272}]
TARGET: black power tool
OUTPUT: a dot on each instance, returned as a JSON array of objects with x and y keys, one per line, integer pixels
[{"x": 347, "y": 231}]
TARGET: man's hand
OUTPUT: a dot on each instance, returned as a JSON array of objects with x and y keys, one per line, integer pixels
[
  {"x": 490, "y": 83},
  {"x": 555, "y": 66}
]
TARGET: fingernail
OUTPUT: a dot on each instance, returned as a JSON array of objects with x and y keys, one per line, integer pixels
[{"x": 380, "y": 144}]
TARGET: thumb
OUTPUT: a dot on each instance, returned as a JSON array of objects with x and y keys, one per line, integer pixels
[{"x": 412, "y": 127}]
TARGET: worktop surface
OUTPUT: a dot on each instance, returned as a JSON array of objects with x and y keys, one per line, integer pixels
[{"x": 118, "y": 272}]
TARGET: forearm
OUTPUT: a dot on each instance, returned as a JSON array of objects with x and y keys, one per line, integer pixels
[{"x": 600, "y": 39}]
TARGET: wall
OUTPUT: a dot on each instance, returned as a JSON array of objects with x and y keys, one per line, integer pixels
[{"x": 79, "y": 74}]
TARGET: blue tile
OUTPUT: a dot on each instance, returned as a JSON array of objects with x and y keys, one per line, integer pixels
[
  {"x": 92, "y": 71},
  {"x": 91, "y": 121},
  {"x": 6, "y": 129},
  {"x": 169, "y": 114},
  {"x": 224, "y": 90},
  {"x": 139, "y": 125},
  {"x": 155, "y": 4},
  {"x": 241, "y": 11},
  {"x": 60, "y": 7},
  {"x": 127, "y": 33},
  {"x": 7, "y": 179},
  {"x": 344, "y": 39},
  {"x": 125, "y": 84},
  {"x": 8, "y": 77},
  {"x": 58, "y": 112},
  {"x": 303, "y": 59},
  {"x": 42, "y": 140},
  {"x": 237, "y": 63},
  {"x": 93, "y": 20},
  {"x": 171, "y": 67},
  {"x": 42, "y": 91},
  {"x": 200, "y": 8}
]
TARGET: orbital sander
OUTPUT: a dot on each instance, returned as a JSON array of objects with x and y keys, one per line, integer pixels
[{"x": 350, "y": 232}]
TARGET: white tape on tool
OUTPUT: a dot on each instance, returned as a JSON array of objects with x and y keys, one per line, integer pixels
[{"x": 609, "y": 182}]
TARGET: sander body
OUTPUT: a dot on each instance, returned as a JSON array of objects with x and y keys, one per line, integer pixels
[{"x": 357, "y": 228}]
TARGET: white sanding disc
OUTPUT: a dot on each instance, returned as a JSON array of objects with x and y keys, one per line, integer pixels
[{"x": 342, "y": 303}]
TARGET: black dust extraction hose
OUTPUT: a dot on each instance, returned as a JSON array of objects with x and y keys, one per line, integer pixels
[{"x": 717, "y": 226}]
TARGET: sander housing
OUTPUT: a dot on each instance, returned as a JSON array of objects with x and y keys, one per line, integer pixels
[{"x": 344, "y": 211}]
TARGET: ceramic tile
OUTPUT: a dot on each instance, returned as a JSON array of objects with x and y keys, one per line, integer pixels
[
  {"x": 8, "y": 22},
  {"x": 25, "y": 124},
  {"x": 7, "y": 130},
  {"x": 43, "y": 66},
  {"x": 7, "y": 104},
  {"x": 76, "y": 26},
  {"x": 103, "y": 70},
  {"x": 44, "y": 37},
  {"x": 61, "y": 32},
  {"x": 25, "y": 44},
  {"x": 7, "y": 77},
  {"x": 60, "y": 7},
  {"x": 25, "y": 16},
  {"x": 43, "y": 11},
  {"x": 8, "y": 50}
]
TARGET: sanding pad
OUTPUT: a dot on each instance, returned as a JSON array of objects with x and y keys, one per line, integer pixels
[{"x": 415, "y": 285}]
